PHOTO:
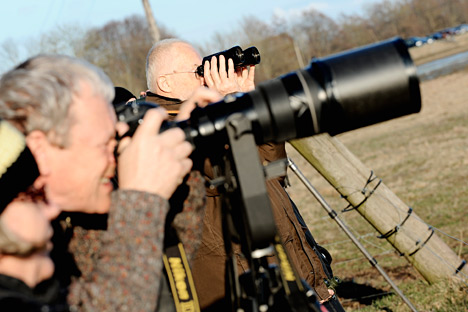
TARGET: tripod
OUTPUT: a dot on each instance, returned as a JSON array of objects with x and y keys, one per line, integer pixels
[{"x": 248, "y": 220}]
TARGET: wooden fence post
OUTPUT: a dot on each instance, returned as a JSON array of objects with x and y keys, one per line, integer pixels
[{"x": 417, "y": 241}]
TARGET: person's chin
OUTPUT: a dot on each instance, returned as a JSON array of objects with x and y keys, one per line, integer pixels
[
  {"x": 102, "y": 205},
  {"x": 103, "y": 201},
  {"x": 47, "y": 268},
  {"x": 45, "y": 265},
  {"x": 98, "y": 204}
]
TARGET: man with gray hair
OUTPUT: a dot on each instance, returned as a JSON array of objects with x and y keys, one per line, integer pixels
[
  {"x": 171, "y": 74},
  {"x": 63, "y": 106}
]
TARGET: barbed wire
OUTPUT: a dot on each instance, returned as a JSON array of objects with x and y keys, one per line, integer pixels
[
  {"x": 403, "y": 216},
  {"x": 368, "y": 191}
]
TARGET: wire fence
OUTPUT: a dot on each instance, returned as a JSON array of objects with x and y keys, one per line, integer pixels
[{"x": 345, "y": 252}]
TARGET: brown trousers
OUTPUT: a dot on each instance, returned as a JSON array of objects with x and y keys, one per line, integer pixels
[{"x": 208, "y": 267}]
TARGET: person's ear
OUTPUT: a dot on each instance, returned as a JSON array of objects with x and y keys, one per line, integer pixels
[
  {"x": 39, "y": 146},
  {"x": 164, "y": 84}
]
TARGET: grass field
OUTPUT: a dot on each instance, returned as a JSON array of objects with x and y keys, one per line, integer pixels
[{"x": 423, "y": 159}]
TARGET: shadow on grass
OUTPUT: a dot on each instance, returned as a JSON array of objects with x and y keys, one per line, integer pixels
[{"x": 350, "y": 291}]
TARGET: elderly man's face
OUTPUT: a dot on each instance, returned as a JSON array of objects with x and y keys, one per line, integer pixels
[
  {"x": 80, "y": 175},
  {"x": 182, "y": 75}
]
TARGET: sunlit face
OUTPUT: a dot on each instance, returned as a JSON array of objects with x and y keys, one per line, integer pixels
[
  {"x": 80, "y": 175},
  {"x": 183, "y": 79},
  {"x": 28, "y": 220}
]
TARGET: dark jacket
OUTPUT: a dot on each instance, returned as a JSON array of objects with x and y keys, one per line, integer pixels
[{"x": 15, "y": 296}]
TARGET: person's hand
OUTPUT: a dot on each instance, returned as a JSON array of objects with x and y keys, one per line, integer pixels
[
  {"x": 240, "y": 80},
  {"x": 151, "y": 161},
  {"x": 225, "y": 82},
  {"x": 201, "y": 97},
  {"x": 245, "y": 78}
]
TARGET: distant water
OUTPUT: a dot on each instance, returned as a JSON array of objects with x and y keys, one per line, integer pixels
[{"x": 443, "y": 66}]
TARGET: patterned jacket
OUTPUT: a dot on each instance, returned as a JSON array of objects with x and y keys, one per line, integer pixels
[{"x": 114, "y": 262}]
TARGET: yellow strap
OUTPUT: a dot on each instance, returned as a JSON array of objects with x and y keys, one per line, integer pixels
[{"x": 180, "y": 279}]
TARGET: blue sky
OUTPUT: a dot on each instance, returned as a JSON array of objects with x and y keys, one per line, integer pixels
[
  {"x": 194, "y": 21},
  {"x": 191, "y": 20}
]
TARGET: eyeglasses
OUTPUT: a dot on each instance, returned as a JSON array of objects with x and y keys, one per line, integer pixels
[{"x": 197, "y": 76}]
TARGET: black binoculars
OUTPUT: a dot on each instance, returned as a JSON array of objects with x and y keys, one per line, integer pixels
[{"x": 241, "y": 58}]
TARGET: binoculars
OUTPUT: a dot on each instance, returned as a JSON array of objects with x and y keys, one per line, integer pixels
[{"x": 241, "y": 58}]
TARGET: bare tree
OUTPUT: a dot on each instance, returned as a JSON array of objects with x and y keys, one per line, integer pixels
[
  {"x": 355, "y": 31},
  {"x": 253, "y": 29},
  {"x": 65, "y": 39},
  {"x": 10, "y": 54},
  {"x": 314, "y": 32},
  {"x": 120, "y": 49},
  {"x": 218, "y": 42},
  {"x": 383, "y": 19}
]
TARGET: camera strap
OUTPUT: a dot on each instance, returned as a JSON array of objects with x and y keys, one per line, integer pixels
[{"x": 180, "y": 279}]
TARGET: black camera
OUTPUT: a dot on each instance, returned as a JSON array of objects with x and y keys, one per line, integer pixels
[
  {"x": 240, "y": 58},
  {"x": 334, "y": 94}
]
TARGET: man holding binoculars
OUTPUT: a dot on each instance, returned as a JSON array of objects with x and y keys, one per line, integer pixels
[{"x": 174, "y": 70}]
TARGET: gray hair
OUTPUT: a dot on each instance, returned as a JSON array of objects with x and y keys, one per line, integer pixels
[
  {"x": 37, "y": 94},
  {"x": 159, "y": 52}
]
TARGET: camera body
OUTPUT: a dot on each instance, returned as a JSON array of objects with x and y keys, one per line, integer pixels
[{"x": 240, "y": 58}]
